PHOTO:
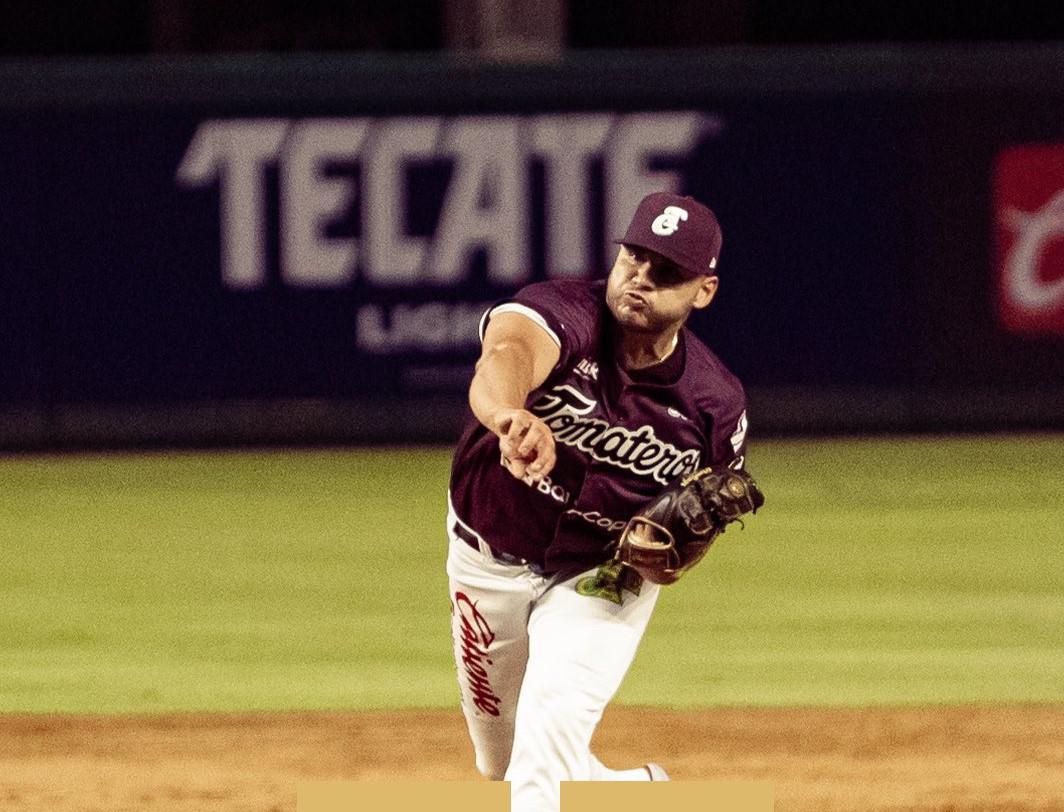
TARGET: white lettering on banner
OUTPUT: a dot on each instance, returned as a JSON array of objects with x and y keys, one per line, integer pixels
[
  {"x": 310, "y": 201},
  {"x": 236, "y": 153},
  {"x": 391, "y": 255},
  {"x": 568, "y": 144},
  {"x": 1034, "y": 231},
  {"x": 634, "y": 141},
  {"x": 429, "y": 327},
  {"x": 485, "y": 208}
]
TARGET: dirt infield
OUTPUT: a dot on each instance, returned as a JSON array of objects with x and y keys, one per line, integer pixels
[{"x": 949, "y": 759}]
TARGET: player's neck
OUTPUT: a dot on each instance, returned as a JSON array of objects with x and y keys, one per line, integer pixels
[{"x": 640, "y": 350}]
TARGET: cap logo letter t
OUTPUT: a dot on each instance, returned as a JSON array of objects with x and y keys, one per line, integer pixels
[{"x": 668, "y": 221}]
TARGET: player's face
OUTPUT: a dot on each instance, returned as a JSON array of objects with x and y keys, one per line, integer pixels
[{"x": 649, "y": 294}]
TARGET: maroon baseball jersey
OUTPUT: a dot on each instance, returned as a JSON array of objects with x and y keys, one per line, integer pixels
[{"x": 621, "y": 436}]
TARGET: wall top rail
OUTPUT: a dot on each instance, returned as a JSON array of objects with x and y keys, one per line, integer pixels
[{"x": 616, "y": 78}]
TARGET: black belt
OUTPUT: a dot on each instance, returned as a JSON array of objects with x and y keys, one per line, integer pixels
[{"x": 503, "y": 558}]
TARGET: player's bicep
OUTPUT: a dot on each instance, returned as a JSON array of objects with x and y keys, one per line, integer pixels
[{"x": 516, "y": 335}]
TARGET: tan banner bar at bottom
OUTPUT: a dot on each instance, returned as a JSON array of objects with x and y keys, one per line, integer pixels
[
  {"x": 494, "y": 796},
  {"x": 675, "y": 796}
]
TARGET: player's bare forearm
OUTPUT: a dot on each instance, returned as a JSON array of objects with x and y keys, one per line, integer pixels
[
  {"x": 516, "y": 358},
  {"x": 497, "y": 395},
  {"x": 502, "y": 381}
]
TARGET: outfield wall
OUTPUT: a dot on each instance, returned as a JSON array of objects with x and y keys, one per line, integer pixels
[{"x": 298, "y": 249}]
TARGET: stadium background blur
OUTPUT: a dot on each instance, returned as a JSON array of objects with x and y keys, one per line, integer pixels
[
  {"x": 162, "y": 301},
  {"x": 199, "y": 26},
  {"x": 869, "y": 162}
]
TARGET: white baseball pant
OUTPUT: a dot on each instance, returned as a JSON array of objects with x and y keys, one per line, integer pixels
[{"x": 537, "y": 664}]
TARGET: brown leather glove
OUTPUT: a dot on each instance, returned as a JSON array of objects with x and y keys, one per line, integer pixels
[{"x": 675, "y": 529}]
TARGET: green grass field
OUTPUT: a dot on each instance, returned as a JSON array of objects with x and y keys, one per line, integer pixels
[{"x": 881, "y": 571}]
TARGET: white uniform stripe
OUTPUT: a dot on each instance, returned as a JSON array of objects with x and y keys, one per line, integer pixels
[{"x": 524, "y": 310}]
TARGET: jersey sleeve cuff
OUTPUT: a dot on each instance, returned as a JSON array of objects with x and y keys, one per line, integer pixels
[{"x": 524, "y": 310}]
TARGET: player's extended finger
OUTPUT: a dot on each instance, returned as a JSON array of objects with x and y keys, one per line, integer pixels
[
  {"x": 516, "y": 435},
  {"x": 517, "y": 467},
  {"x": 533, "y": 439},
  {"x": 507, "y": 448},
  {"x": 518, "y": 426},
  {"x": 516, "y": 431},
  {"x": 545, "y": 459},
  {"x": 509, "y": 422}
]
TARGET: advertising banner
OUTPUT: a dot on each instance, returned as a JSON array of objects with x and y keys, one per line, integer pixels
[
  {"x": 1029, "y": 215},
  {"x": 166, "y": 258},
  {"x": 156, "y": 254}
]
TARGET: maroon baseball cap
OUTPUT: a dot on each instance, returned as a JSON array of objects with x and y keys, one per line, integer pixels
[{"x": 679, "y": 228}]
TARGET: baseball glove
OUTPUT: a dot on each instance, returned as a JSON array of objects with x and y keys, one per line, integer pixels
[{"x": 674, "y": 530}]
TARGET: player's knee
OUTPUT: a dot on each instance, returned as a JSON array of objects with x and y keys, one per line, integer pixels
[{"x": 559, "y": 702}]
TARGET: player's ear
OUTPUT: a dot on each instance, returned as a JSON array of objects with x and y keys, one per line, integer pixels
[{"x": 706, "y": 291}]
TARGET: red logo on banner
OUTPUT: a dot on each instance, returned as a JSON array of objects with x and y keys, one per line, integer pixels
[{"x": 1029, "y": 209}]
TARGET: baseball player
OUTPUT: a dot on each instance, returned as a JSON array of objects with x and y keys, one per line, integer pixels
[{"x": 589, "y": 398}]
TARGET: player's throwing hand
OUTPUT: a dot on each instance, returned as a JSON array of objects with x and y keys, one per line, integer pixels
[{"x": 526, "y": 443}]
